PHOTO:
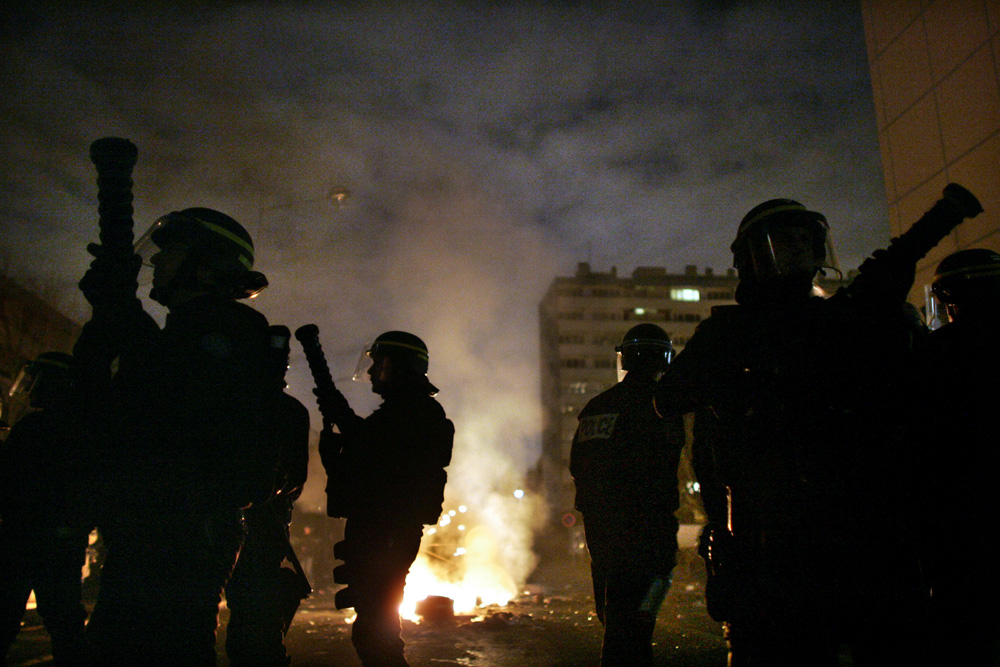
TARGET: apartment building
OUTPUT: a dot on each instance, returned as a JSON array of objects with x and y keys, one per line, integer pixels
[{"x": 582, "y": 318}]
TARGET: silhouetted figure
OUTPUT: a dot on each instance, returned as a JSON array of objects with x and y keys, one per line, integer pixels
[
  {"x": 43, "y": 522},
  {"x": 386, "y": 477},
  {"x": 956, "y": 422},
  {"x": 806, "y": 394},
  {"x": 624, "y": 462},
  {"x": 187, "y": 418},
  {"x": 261, "y": 595}
]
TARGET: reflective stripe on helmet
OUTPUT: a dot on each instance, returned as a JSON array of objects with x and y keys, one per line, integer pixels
[
  {"x": 772, "y": 211},
  {"x": 978, "y": 271},
  {"x": 786, "y": 208},
  {"x": 421, "y": 352},
  {"x": 647, "y": 341},
  {"x": 245, "y": 260},
  {"x": 51, "y": 362}
]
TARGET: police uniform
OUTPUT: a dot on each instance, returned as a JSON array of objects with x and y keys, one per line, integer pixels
[
  {"x": 624, "y": 462},
  {"x": 192, "y": 403},
  {"x": 388, "y": 482},
  {"x": 43, "y": 530},
  {"x": 804, "y": 435},
  {"x": 260, "y": 593},
  {"x": 955, "y": 427},
  {"x": 807, "y": 395}
]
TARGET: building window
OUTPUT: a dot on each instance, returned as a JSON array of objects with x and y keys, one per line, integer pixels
[
  {"x": 645, "y": 314},
  {"x": 577, "y": 388},
  {"x": 606, "y": 339},
  {"x": 571, "y": 315},
  {"x": 685, "y": 294},
  {"x": 687, "y": 317},
  {"x": 571, "y": 339},
  {"x": 726, "y": 295},
  {"x": 574, "y": 363},
  {"x": 605, "y": 363},
  {"x": 603, "y": 317}
]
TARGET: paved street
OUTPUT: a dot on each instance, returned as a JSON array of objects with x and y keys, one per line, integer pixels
[{"x": 553, "y": 626}]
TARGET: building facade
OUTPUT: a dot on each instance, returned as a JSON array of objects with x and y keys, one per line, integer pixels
[
  {"x": 582, "y": 318},
  {"x": 935, "y": 70}
]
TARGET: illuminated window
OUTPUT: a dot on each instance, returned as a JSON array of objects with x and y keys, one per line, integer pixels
[
  {"x": 577, "y": 387},
  {"x": 645, "y": 314},
  {"x": 684, "y": 294}
]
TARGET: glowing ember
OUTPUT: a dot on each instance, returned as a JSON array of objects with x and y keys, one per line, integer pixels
[{"x": 461, "y": 566}]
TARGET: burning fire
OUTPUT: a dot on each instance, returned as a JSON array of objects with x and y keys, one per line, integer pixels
[
  {"x": 458, "y": 562},
  {"x": 85, "y": 571}
]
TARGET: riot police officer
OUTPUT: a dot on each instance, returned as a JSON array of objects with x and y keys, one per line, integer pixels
[
  {"x": 43, "y": 519},
  {"x": 807, "y": 397},
  {"x": 955, "y": 424},
  {"x": 187, "y": 420},
  {"x": 262, "y": 595},
  {"x": 624, "y": 462},
  {"x": 386, "y": 477}
]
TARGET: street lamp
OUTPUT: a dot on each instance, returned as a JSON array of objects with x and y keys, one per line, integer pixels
[{"x": 336, "y": 195}]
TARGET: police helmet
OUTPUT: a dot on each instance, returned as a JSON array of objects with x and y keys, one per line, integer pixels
[
  {"x": 408, "y": 352},
  {"x": 53, "y": 363},
  {"x": 217, "y": 240},
  {"x": 645, "y": 346},
  {"x": 48, "y": 374},
  {"x": 754, "y": 247},
  {"x": 967, "y": 275}
]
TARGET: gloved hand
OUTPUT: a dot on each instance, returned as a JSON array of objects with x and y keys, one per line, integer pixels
[
  {"x": 714, "y": 546},
  {"x": 333, "y": 403},
  {"x": 112, "y": 277},
  {"x": 329, "y": 448}
]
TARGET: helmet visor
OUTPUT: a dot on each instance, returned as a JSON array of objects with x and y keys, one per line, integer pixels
[
  {"x": 935, "y": 309},
  {"x": 651, "y": 352},
  {"x": 145, "y": 247},
  {"x": 364, "y": 363},
  {"x": 23, "y": 383},
  {"x": 790, "y": 248}
]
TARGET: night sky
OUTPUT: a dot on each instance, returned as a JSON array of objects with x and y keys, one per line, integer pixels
[{"x": 487, "y": 147}]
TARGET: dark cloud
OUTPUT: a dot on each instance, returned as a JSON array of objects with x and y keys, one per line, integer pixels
[{"x": 654, "y": 166}]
